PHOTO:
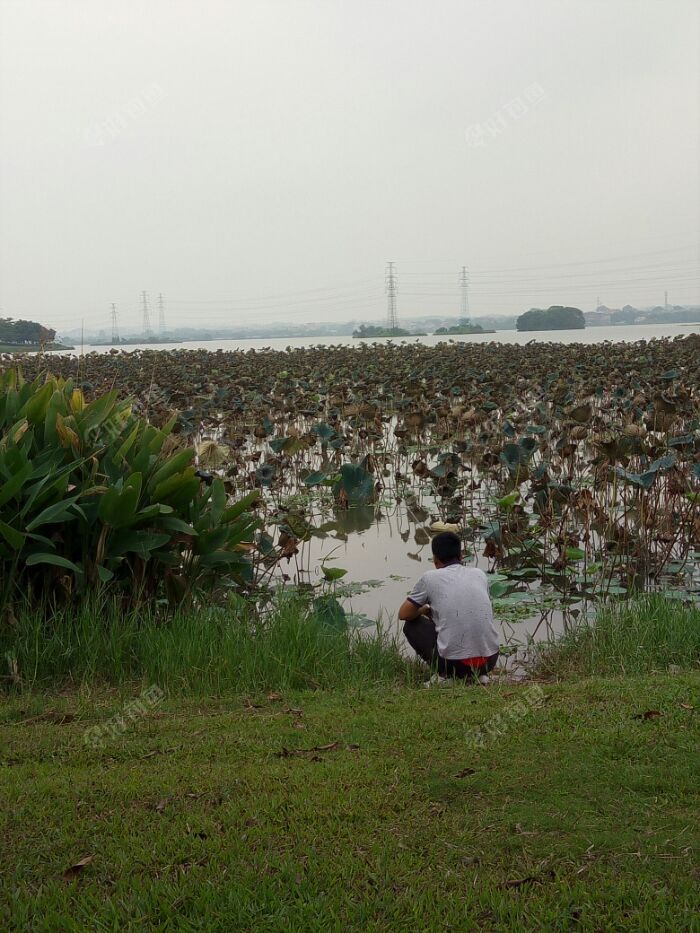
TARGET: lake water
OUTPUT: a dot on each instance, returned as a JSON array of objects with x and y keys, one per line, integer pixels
[
  {"x": 388, "y": 547},
  {"x": 386, "y": 543},
  {"x": 615, "y": 334}
]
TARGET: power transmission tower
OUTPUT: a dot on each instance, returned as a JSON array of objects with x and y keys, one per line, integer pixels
[
  {"x": 464, "y": 287},
  {"x": 115, "y": 328},
  {"x": 597, "y": 303},
  {"x": 146, "y": 314},
  {"x": 391, "y": 290},
  {"x": 161, "y": 314},
  {"x": 665, "y": 301}
]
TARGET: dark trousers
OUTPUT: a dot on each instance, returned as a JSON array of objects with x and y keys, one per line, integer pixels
[{"x": 422, "y": 637}]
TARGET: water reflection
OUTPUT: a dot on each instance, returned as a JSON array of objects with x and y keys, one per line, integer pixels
[
  {"x": 387, "y": 550},
  {"x": 357, "y": 519}
]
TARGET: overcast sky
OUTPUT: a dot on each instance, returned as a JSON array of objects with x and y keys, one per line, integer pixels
[{"x": 264, "y": 159}]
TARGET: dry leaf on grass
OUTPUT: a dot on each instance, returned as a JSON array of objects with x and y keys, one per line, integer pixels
[
  {"x": 76, "y": 869},
  {"x": 465, "y": 772},
  {"x": 519, "y": 882},
  {"x": 58, "y": 719},
  {"x": 158, "y": 751},
  {"x": 302, "y": 752},
  {"x": 530, "y": 879}
]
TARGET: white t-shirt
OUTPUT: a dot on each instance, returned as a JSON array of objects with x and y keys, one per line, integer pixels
[{"x": 461, "y": 609}]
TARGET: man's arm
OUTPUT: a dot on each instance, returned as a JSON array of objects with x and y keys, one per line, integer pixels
[
  {"x": 409, "y": 611},
  {"x": 416, "y": 603}
]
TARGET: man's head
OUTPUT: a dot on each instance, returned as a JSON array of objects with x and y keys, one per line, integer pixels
[{"x": 447, "y": 548}]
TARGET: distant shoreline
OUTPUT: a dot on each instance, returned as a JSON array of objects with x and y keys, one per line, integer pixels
[
  {"x": 34, "y": 348},
  {"x": 328, "y": 338},
  {"x": 136, "y": 341},
  {"x": 614, "y": 333}
]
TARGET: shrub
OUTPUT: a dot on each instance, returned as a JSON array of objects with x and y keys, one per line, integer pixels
[{"x": 89, "y": 498}]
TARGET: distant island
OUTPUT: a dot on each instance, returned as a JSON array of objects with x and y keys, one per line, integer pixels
[
  {"x": 150, "y": 339},
  {"x": 27, "y": 337},
  {"x": 556, "y": 317},
  {"x": 364, "y": 331},
  {"x": 464, "y": 327}
]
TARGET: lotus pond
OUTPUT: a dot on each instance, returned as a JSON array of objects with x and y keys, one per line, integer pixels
[{"x": 571, "y": 471}]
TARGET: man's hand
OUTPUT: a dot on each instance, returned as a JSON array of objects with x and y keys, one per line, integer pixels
[{"x": 409, "y": 611}]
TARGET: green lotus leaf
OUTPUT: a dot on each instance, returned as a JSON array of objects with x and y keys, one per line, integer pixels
[{"x": 356, "y": 483}]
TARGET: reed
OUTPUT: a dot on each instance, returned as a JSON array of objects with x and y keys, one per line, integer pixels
[
  {"x": 205, "y": 652},
  {"x": 649, "y": 633}
]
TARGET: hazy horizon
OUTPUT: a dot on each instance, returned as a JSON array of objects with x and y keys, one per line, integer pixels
[
  {"x": 260, "y": 162},
  {"x": 265, "y": 327}
]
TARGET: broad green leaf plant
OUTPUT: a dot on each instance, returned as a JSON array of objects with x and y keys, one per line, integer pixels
[{"x": 89, "y": 498}]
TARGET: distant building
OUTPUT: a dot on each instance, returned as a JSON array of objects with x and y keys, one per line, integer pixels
[{"x": 597, "y": 318}]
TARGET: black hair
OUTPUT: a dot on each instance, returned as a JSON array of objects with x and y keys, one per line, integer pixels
[{"x": 447, "y": 546}]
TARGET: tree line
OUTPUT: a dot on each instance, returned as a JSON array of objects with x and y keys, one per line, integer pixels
[
  {"x": 555, "y": 317},
  {"x": 22, "y": 333}
]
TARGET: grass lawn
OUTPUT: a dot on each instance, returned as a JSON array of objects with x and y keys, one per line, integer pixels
[{"x": 577, "y": 811}]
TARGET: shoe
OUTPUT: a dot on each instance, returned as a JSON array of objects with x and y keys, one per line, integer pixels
[
  {"x": 435, "y": 681},
  {"x": 484, "y": 680}
]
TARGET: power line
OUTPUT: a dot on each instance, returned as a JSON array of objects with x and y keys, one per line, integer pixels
[
  {"x": 550, "y": 265},
  {"x": 689, "y": 267},
  {"x": 525, "y": 285},
  {"x": 521, "y": 277},
  {"x": 358, "y": 284},
  {"x": 289, "y": 308},
  {"x": 580, "y": 262},
  {"x": 253, "y": 303}
]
